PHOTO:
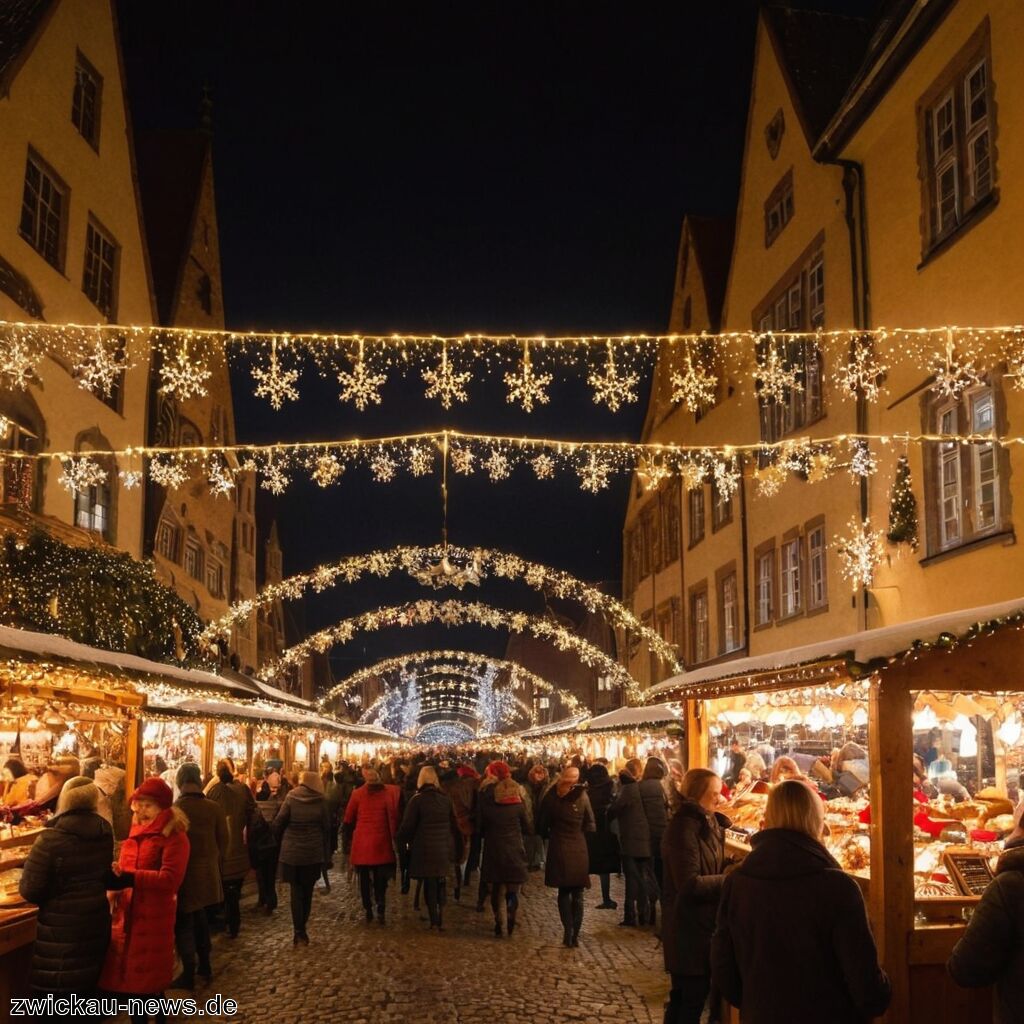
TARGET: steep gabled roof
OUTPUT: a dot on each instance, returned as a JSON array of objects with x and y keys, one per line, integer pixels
[
  {"x": 20, "y": 22},
  {"x": 819, "y": 54},
  {"x": 712, "y": 240},
  {"x": 171, "y": 165}
]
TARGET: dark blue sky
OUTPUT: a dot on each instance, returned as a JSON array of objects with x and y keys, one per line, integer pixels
[{"x": 441, "y": 168}]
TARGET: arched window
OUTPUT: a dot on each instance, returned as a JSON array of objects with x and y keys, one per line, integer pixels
[
  {"x": 22, "y": 429},
  {"x": 95, "y": 505}
]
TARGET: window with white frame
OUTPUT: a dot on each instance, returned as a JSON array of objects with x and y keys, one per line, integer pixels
[
  {"x": 85, "y": 101},
  {"x": 985, "y": 462},
  {"x": 92, "y": 508},
  {"x": 167, "y": 540},
  {"x": 764, "y": 582},
  {"x": 699, "y": 626},
  {"x": 730, "y": 614},
  {"x": 949, "y": 481},
  {"x": 789, "y": 578},
  {"x": 543, "y": 703},
  {"x": 817, "y": 574},
  {"x": 99, "y": 274}
]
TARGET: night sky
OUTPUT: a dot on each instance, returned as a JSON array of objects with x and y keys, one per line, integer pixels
[{"x": 445, "y": 168}]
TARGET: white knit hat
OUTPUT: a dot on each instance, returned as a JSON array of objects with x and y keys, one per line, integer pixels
[{"x": 78, "y": 794}]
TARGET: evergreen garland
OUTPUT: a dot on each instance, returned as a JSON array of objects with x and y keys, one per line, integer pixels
[
  {"x": 95, "y": 596},
  {"x": 902, "y": 507}
]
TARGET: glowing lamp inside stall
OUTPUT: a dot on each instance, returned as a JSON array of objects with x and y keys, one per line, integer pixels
[
  {"x": 816, "y": 719},
  {"x": 968, "y": 735},
  {"x": 150, "y": 733},
  {"x": 1010, "y": 731},
  {"x": 301, "y": 750},
  {"x": 860, "y": 717},
  {"x": 329, "y": 749}
]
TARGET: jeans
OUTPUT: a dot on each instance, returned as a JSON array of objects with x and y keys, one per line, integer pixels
[
  {"x": 687, "y": 998},
  {"x": 373, "y": 884},
  {"x": 232, "y": 910},
  {"x": 266, "y": 879},
  {"x": 192, "y": 937},
  {"x": 304, "y": 878}
]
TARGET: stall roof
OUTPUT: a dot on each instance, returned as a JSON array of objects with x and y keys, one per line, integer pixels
[
  {"x": 624, "y": 718},
  {"x": 258, "y": 686},
  {"x": 864, "y": 647},
  {"x": 553, "y": 728},
  {"x": 22, "y": 642}
]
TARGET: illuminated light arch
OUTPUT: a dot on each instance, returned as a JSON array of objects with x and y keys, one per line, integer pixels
[
  {"x": 517, "y": 674},
  {"x": 453, "y": 613},
  {"x": 424, "y": 564},
  {"x": 445, "y": 732}
]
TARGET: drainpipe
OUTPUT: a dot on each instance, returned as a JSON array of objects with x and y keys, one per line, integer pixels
[{"x": 746, "y": 559}]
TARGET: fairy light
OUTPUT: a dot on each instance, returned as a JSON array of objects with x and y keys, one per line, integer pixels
[
  {"x": 693, "y": 386},
  {"x": 327, "y": 470},
  {"x": 182, "y": 376},
  {"x": 80, "y": 474},
  {"x": 445, "y": 383},
  {"x": 361, "y": 386},
  {"x": 860, "y": 553},
  {"x": 527, "y": 387},
  {"x": 773, "y": 376},
  {"x": 613, "y": 388},
  {"x": 275, "y": 384}
]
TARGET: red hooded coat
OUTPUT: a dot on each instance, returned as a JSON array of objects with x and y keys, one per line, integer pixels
[
  {"x": 140, "y": 958},
  {"x": 373, "y": 810}
]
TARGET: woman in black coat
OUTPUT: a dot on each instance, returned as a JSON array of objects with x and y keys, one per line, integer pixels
[
  {"x": 793, "y": 942},
  {"x": 67, "y": 874},
  {"x": 602, "y": 843},
  {"x": 565, "y": 815},
  {"x": 693, "y": 857},
  {"x": 428, "y": 832},
  {"x": 504, "y": 822}
]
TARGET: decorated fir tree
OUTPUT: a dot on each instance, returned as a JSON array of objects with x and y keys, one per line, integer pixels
[{"x": 902, "y": 507}]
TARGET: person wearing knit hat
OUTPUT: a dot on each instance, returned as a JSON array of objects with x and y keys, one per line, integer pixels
[
  {"x": 201, "y": 888},
  {"x": 155, "y": 791},
  {"x": 504, "y": 823},
  {"x": 302, "y": 827},
  {"x": 239, "y": 806},
  {"x": 67, "y": 875}
]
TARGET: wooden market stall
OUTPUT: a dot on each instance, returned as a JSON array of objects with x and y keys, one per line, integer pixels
[
  {"x": 645, "y": 731},
  {"x": 954, "y": 681}
]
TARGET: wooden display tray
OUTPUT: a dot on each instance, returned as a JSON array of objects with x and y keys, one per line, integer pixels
[{"x": 25, "y": 839}]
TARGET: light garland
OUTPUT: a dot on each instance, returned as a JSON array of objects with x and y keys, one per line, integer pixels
[
  {"x": 453, "y": 613},
  {"x": 420, "y": 563}
]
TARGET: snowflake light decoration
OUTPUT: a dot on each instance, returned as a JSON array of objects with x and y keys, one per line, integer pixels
[
  {"x": 860, "y": 553},
  {"x": 693, "y": 473},
  {"x": 275, "y": 383},
  {"x": 693, "y": 386},
  {"x": 862, "y": 374},
  {"x": 167, "y": 472},
  {"x": 219, "y": 477},
  {"x": 275, "y": 479},
  {"x": 99, "y": 371},
  {"x": 593, "y": 474},
  {"x": 421, "y": 460},
  {"x": 383, "y": 467},
  {"x": 130, "y": 479},
  {"x": 612, "y": 387},
  {"x": 497, "y": 465},
  {"x": 18, "y": 361},
  {"x": 770, "y": 479},
  {"x": 954, "y": 374},
  {"x": 651, "y": 473},
  {"x": 182, "y": 377},
  {"x": 527, "y": 387},
  {"x": 445, "y": 384},
  {"x": 462, "y": 460},
  {"x": 80, "y": 474},
  {"x": 543, "y": 466},
  {"x": 773, "y": 377},
  {"x": 726, "y": 475},
  {"x": 327, "y": 470},
  {"x": 820, "y": 466},
  {"x": 862, "y": 460},
  {"x": 361, "y": 386}
]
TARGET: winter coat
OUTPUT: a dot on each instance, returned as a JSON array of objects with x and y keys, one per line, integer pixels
[
  {"x": 239, "y": 807},
  {"x": 428, "y": 831},
  {"x": 371, "y": 821},
  {"x": 65, "y": 875},
  {"x": 655, "y": 803},
  {"x": 140, "y": 958},
  {"x": 792, "y": 921},
  {"x": 303, "y": 827},
  {"x": 602, "y": 843},
  {"x": 20, "y": 791},
  {"x": 693, "y": 857},
  {"x": 628, "y": 810},
  {"x": 207, "y": 840},
  {"x": 503, "y": 824},
  {"x": 332, "y": 794},
  {"x": 262, "y": 840},
  {"x": 463, "y": 795},
  {"x": 991, "y": 951},
  {"x": 563, "y": 822}
]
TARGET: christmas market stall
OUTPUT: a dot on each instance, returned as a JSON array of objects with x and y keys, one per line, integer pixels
[
  {"x": 913, "y": 734},
  {"x": 554, "y": 740},
  {"x": 652, "y": 730}
]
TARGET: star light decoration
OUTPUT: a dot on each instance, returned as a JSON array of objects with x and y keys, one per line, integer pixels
[
  {"x": 81, "y": 474},
  {"x": 527, "y": 387},
  {"x": 862, "y": 374},
  {"x": 444, "y": 383},
  {"x": 693, "y": 386},
  {"x": 543, "y": 466},
  {"x": 820, "y": 466},
  {"x": 773, "y": 377},
  {"x": 167, "y": 472},
  {"x": 220, "y": 478},
  {"x": 462, "y": 460},
  {"x": 421, "y": 460},
  {"x": 361, "y": 386},
  {"x": 862, "y": 460},
  {"x": 860, "y": 553},
  {"x": 275, "y": 383},
  {"x": 770, "y": 479},
  {"x": 726, "y": 476},
  {"x": 100, "y": 370},
  {"x": 955, "y": 372},
  {"x": 18, "y": 362},
  {"x": 383, "y": 467},
  {"x": 497, "y": 465},
  {"x": 275, "y": 479},
  {"x": 182, "y": 377},
  {"x": 593, "y": 474},
  {"x": 327, "y": 470},
  {"x": 612, "y": 387}
]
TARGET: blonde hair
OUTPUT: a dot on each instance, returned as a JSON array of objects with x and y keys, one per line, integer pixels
[
  {"x": 427, "y": 777},
  {"x": 784, "y": 763},
  {"x": 794, "y": 805},
  {"x": 695, "y": 783}
]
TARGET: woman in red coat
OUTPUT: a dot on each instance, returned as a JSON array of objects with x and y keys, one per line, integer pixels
[
  {"x": 371, "y": 820},
  {"x": 140, "y": 958}
]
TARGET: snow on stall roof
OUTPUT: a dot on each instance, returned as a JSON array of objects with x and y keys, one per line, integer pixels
[
  {"x": 866, "y": 646},
  {"x": 565, "y": 725},
  {"x": 620, "y": 718}
]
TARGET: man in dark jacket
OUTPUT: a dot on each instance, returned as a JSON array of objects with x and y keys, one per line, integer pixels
[
  {"x": 239, "y": 807},
  {"x": 67, "y": 875},
  {"x": 202, "y": 886},
  {"x": 991, "y": 951},
  {"x": 635, "y": 843},
  {"x": 737, "y": 762}
]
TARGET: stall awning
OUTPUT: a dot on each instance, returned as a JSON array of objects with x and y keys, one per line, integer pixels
[
  {"x": 552, "y": 729},
  {"x": 827, "y": 657},
  {"x": 650, "y": 716}
]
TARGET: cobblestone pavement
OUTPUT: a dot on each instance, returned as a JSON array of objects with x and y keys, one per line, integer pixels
[{"x": 358, "y": 973}]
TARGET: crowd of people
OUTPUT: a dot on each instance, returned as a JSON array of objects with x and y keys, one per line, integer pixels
[{"x": 787, "y": 918}]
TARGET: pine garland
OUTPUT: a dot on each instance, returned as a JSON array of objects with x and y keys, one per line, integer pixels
[{"x": 903, "y": 507}]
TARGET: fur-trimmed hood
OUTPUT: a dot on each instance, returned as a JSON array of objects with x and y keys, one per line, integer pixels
[{"x": 173, "y": 819}]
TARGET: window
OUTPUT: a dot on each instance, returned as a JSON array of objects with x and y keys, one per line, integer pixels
[
  {"x": 721, "y": 508},
  {"x": 99, "y": 274},
  {"x": 168, "y": 540},
  {"x": 778, "y": 209},
  {"x": 646, "y": 543},
  {"x": 85, "y": 103},
  {"x": 764, "y": 583},
  {"x": 44, "y": 211},
  {"x": 543, "y": 703},
  {"x": 194, "y": 559},
  {"x": 789, "y": 578},
  {"x": 670, "y": 498},
  {"x": 957, "y": 128},
  {"x": 817, "y": 573},
  {"x": 949, "y": 481},
  {"x": 92, "y": 508},
  {"x": 729, "y": 614},
  {"x": 699, "y": 626},
  {"x": 215, "y": 578},
  {"x": 695, "y": 500},
  {"x": 18, "y": 477}
]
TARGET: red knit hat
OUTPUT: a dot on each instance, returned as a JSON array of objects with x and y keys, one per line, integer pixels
[
  {"x": 498, "y": 770},
  {"x": 156, "y": 790}
]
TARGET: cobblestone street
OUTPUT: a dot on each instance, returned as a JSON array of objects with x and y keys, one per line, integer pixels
[{"x": 359, "y": 973}]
